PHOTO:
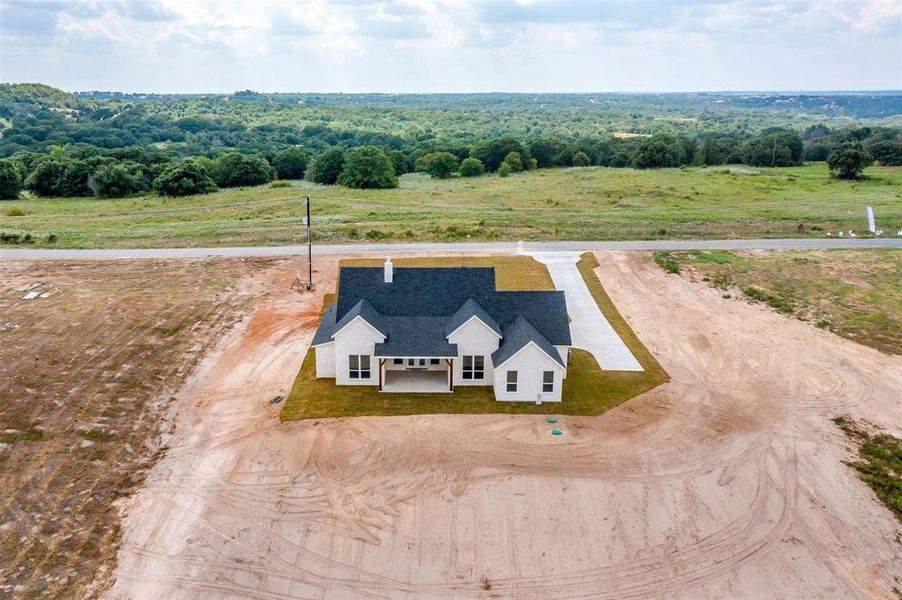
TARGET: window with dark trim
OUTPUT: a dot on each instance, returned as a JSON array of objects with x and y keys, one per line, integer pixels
[
  {"x": 433, "y": 361},
  {"x": 473, "y": 367},
  {"x": 511, "y": 381},
  {"x": 548, "y": 381},
  {"x": 359, "y": 366},
  {"x": 398, "y": 361}
]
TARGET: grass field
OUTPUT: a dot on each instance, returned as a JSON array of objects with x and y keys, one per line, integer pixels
[
  {"x": 587, "y": 390},
  {"x": 561, "y": 204},
  {"x": 854, "y": 293}
]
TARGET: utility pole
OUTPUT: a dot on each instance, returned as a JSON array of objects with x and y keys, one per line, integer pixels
[
  {"x": 308, "y": 284},
  {"x": 309, "y": 248}
]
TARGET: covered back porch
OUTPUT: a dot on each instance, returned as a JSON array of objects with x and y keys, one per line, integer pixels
[{"x": 416, "y": 374}]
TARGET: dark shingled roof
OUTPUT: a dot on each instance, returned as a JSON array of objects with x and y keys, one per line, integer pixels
[
  {"x": 517, "y": 335},
  {"x": 416, "y": 336},
  {"x": 546, "y": 311},
  {"x": 365, "y": 310},
  {"x": 415, "y": 292},
  {"x": 326, "y": 327},
  {"x": 422, "y": 306},
  {"x": 468, "y": 310}
]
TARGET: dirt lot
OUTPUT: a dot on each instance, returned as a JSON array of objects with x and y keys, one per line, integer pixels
[
  {"x": 726, "y": 482},
  {"x": 86, "y": 373}
]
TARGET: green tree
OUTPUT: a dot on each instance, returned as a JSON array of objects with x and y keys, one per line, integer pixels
[
  {"x": 59, "y": 177},
  {"x": 505, "y": 169},
  {"x": 659, "y": 151},
  {"x": 773, "y": 148},
  {"x": 10, "y": 180},
  {"x": 327, "y": 166},
  {"x": 887, "y": 152},
  {"x": 234, "y": 170},
  {"x": 580, "y": 159},
  {"x": 399, "y": 159},
  {"x": 184, "y": 179},
  {"x": 368, "y": 167},
  {"x": 471, "y": 167},
  {"x": 291, "y": 163},
  {"x": 515, "y": 161},
  {"x": 848, "y": 161},
  {"x": 547, "y": 152},
  {"x": 116, "y": 180},
  {"x": 493, "y": 152},
  {"x": 440, "y": 165}
]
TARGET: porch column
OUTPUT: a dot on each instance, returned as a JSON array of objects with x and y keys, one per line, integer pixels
[
  {"x": 450, "y": 362},
  {"x": 381, "y": 363}
]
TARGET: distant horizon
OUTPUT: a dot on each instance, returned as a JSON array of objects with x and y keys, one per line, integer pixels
[{"x": 473, "y": 93}]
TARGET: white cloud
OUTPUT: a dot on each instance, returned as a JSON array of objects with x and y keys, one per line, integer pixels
[{"x": 452, "y": 45}]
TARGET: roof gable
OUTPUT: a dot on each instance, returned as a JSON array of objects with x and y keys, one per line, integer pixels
[
  {"x": 517, "y": 336},
  {"x": 366, "y": 312},
  {"x": 469, "y": 310}
]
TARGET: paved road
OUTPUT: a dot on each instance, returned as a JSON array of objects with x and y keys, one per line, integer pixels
[
  {"x": 588, "y": 327},
  {"x": 395, "y": 249}
]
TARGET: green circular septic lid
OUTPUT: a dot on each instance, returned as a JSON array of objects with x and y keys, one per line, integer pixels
[
  {"x": 555, "y": 432},
  {"x": 552, "y": 420}
]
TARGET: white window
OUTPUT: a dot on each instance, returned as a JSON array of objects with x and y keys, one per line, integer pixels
[
  {"x": 359, "y": 366},
  {"x": 473, "y": 367},
  {"x": 511, "y": 381},
  {"x": 548, "y": 381}
]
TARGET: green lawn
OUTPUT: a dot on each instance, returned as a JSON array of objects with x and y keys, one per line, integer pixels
[
  {"x": 563, "y": 204},
  {"x": 854, "y": 293},
  {"x": 587, "y": 390}
]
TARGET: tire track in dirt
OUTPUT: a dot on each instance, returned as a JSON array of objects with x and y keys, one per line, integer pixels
[{"x": 692, "y": 489}]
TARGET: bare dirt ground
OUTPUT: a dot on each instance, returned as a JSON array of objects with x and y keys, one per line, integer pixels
[
  {"x": 725, "y": 482},
  {"x": 87, "y": 368}
]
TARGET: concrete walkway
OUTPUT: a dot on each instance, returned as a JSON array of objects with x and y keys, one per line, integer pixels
[{"x": 588, "y": 327}]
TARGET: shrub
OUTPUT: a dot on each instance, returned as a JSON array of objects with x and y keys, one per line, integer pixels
[
  {"x": 848, "y": 161},
  {"x": 440, "y": 165},
  {"x": 327, "y": 167},
  {"x": 580, "y": 159},
  {"x": 116, "y": 180},
  {"x": 667, "y": 262},
  {"x": 471, "y": 167},
  {"x": 184, "y": 179},
  {"x": 515, "y": 161},
  {"x": 10, "y": 180},
  {"x": 291, "y": 163},
  {"x": 368, "y": 167},
  {"x": 505, "y": 169},
  {"x": 234, "y": 170}
]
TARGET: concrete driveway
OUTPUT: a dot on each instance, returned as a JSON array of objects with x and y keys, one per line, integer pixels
[{"x": 588, "y": 327}]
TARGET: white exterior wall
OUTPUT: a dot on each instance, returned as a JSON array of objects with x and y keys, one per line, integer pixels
[
  {"x": 325, "y": 360},
  {"x": 474, "y": 338},
  {"x": 529, "y": 363},
  {"x": 391, "y": 366},
  {"x": 564, "y": 351},
  {"x": 357, "y": 337}
]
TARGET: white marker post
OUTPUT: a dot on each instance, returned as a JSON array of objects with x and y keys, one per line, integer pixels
[{"x": 872, "y": 225}]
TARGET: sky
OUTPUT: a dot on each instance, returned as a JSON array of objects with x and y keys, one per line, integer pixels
[{"x": 405, "y": 46}]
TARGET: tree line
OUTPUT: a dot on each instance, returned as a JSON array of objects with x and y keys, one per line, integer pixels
[{"x": 58, "y": 145}]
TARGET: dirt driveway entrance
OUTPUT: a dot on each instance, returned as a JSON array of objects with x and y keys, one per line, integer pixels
[{"x": 725, "y": 482}]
